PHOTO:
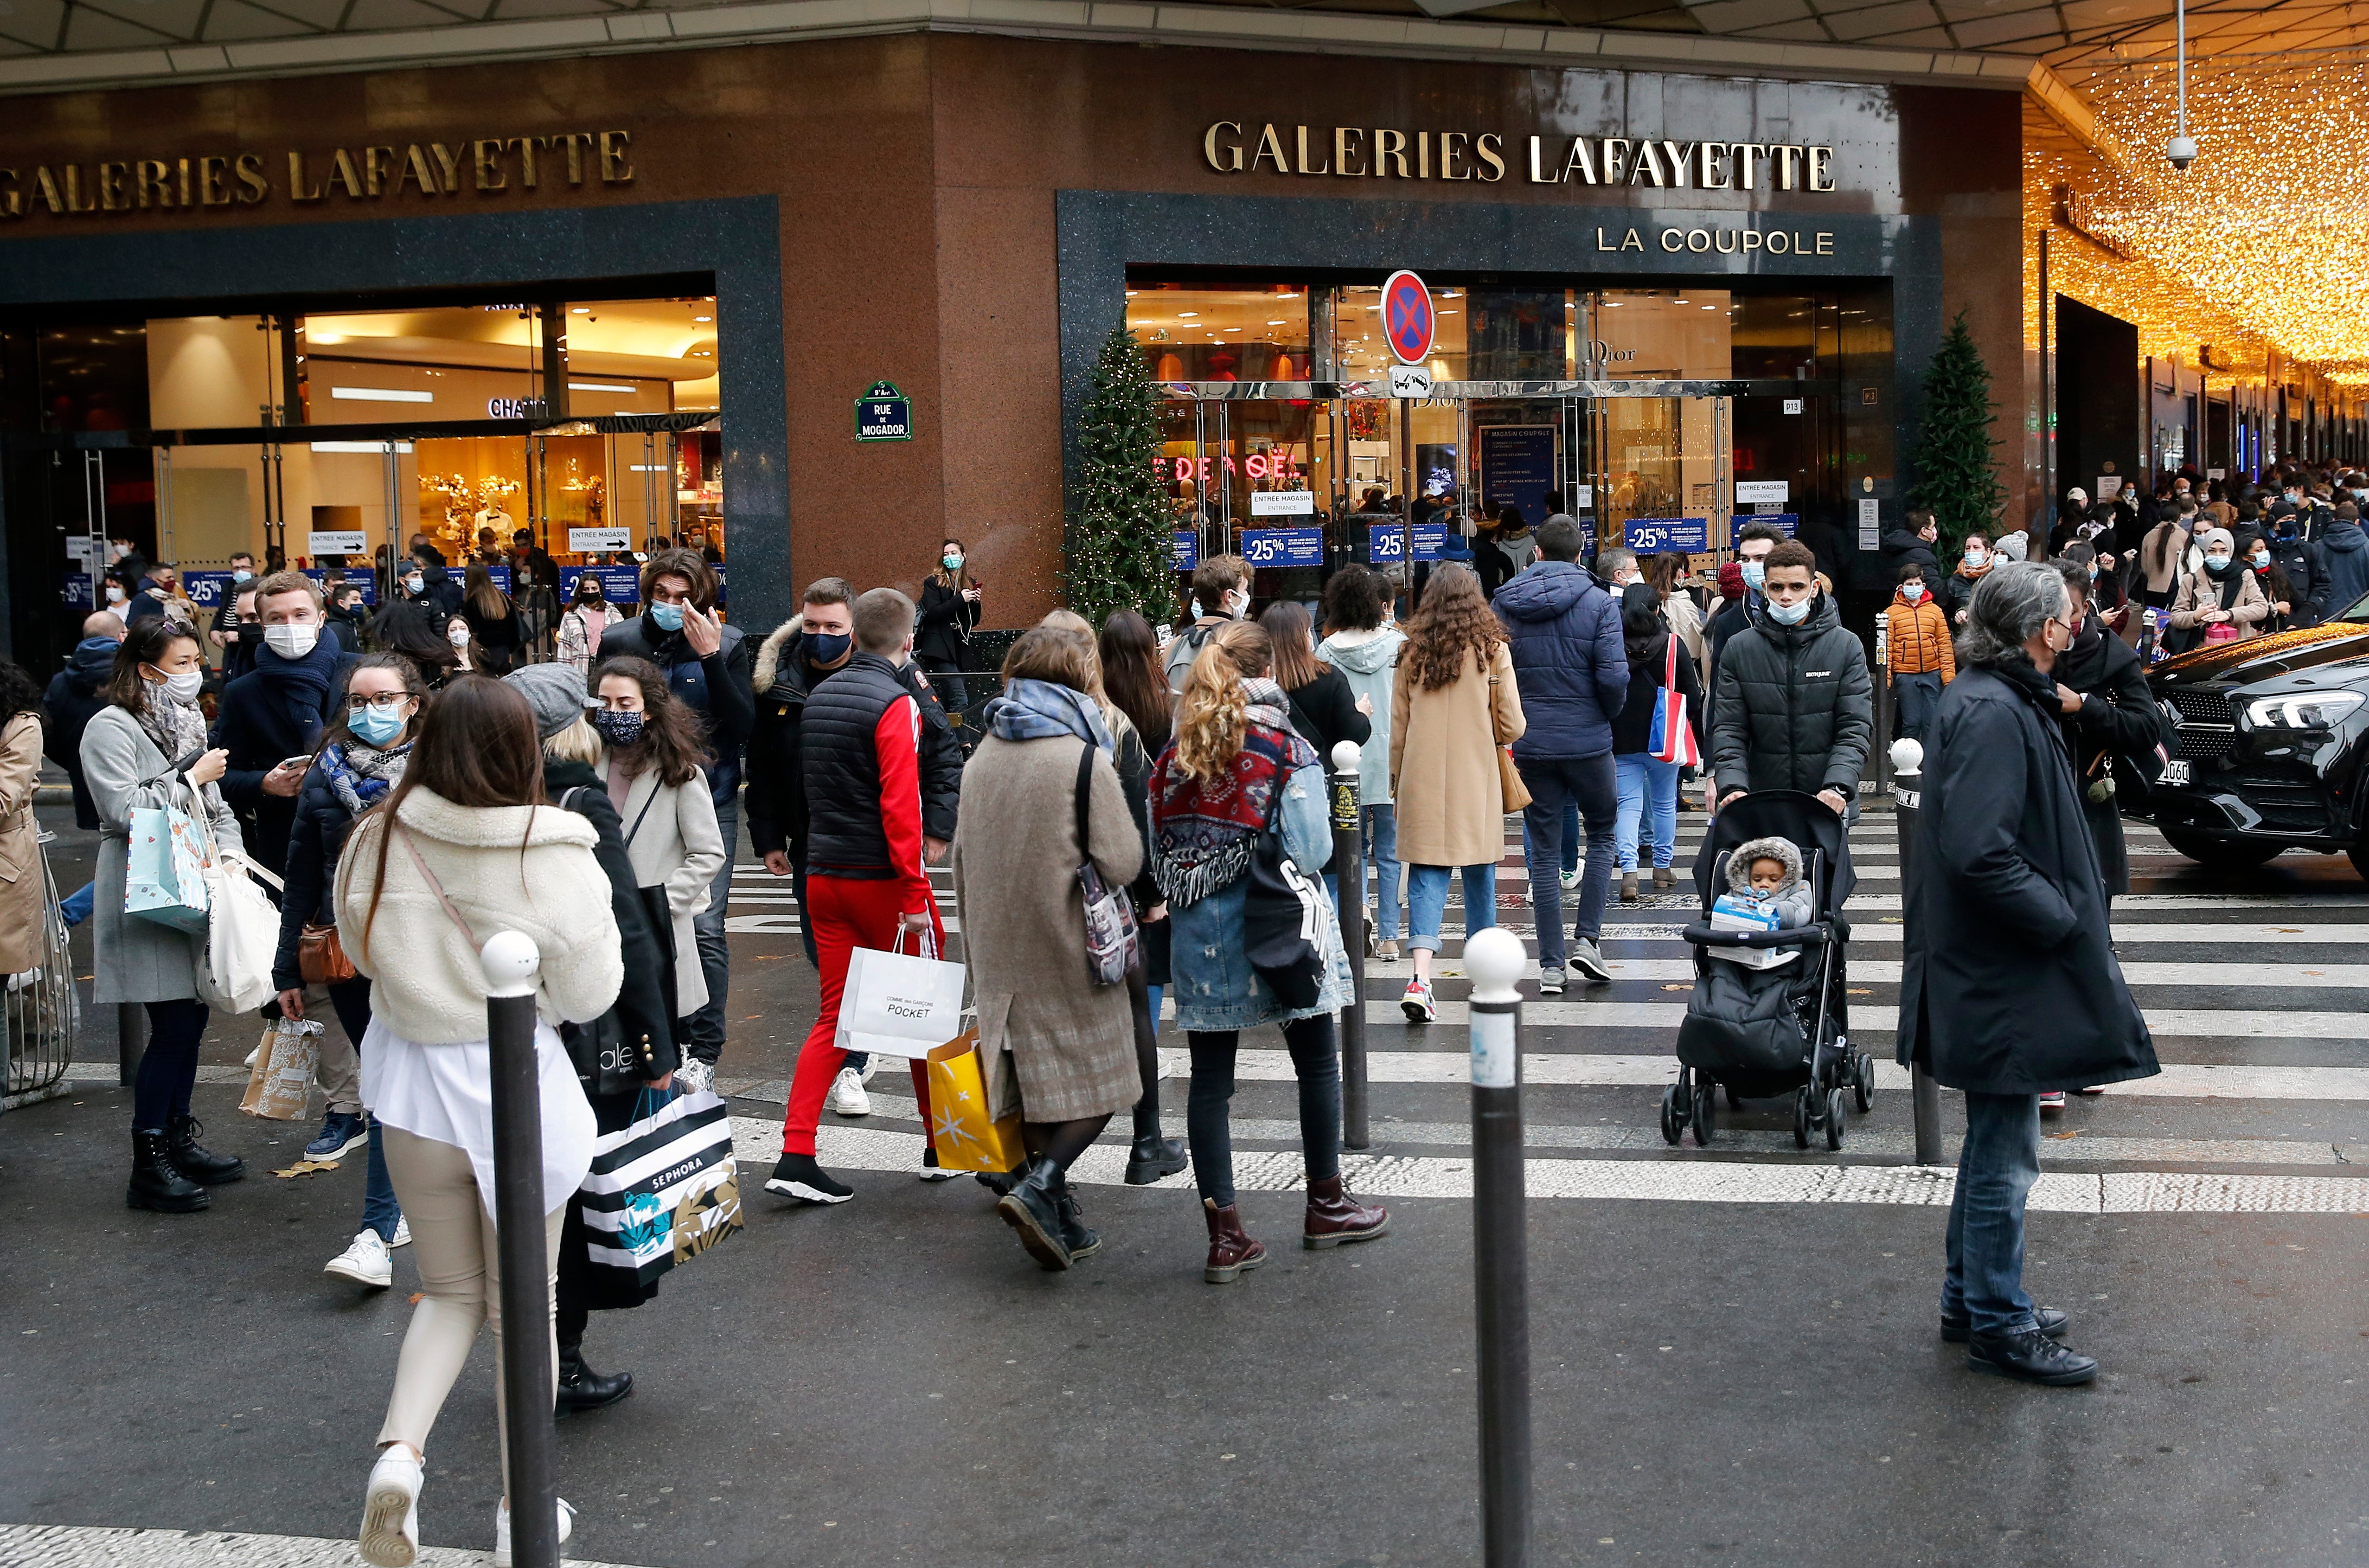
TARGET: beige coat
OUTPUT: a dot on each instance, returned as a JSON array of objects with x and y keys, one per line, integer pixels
[
  {"x": 1444, "y": 764},
  {"x": 1016, "y": 864},
  {"x": 2199, "y": 593},
  {"x": 22, "y": 894},
  {"x": 673, "y": 839}
]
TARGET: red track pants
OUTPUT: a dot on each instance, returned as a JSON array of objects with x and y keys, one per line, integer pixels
[{"x": 843, "y": 914}]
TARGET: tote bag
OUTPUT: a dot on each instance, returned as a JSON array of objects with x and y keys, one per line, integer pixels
[
  {"x": 899, "y": 1003},
  {"x": 662, "y": 1190},
  {"x": 1673, "y": 737},
  {"x": 242, "y": 927},
  {"x": 1111, "y": 948}
]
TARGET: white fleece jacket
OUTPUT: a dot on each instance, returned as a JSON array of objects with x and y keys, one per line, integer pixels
[{"x": 526, "y": 868}]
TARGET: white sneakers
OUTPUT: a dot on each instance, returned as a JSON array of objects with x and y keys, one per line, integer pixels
[
  {"x": 502, "y": 1531},
  {"x": 847, "y": 1095},
  {"x": 1416, "y": 1003},
  {"x": 1569, "y": 879},
  {"x": 402, "y": 1232},
  {"x": 693, "y": 1076},
  {"x": 389, "y": 1536},
  {"x": 365, "y": 1262}
]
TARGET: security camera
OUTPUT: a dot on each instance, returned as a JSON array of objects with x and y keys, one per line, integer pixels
[{"x": 2181, "y": 151}]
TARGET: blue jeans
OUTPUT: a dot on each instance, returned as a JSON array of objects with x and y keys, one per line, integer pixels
[
  {"x": 1916, "y": 696},
  {"x": 1428, "y": 902},
  {"x": 1382, "y": 853},
  {"x": 706, "y": 1028},
  {"x": 1155, "y": 992},
  {"x": 381, "y": 1213},
  {"x": 1570, "y": 837},
  {"x": 1995, "y": 1170},
  {"x": 1559, "y": 784},
  {"x": 1641, "y": 778}
]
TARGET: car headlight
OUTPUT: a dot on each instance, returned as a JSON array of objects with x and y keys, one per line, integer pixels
[{"x": 2302, "y": 710}]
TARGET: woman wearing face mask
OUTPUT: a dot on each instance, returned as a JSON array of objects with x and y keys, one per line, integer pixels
[
  {"x": 361, "y": 759},
  {"x": 147, "y": 749},
  {"x": 493, "y": 624},
  {"x": 588, "y": 614},
  {"x": 652, "y": 763},
  {"x": 2254, "y": 552},
  {"x": 459, "y": 633},
  {"x": 1958, "y": 588},
  {"x": 950, "y": 606},
  {"x": 2224, "y": 594}
]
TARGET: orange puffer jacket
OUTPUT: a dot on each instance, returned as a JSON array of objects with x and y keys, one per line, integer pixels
[{"x": 1917, "y": 640}]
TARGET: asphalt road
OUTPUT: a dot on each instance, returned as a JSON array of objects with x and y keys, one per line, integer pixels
[{"x": 1734, "y": 1347}]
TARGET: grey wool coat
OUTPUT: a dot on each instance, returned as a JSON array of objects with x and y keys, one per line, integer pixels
[
  {"x": 138, "y": 960},
  {"x": 1015, "y": 863}
]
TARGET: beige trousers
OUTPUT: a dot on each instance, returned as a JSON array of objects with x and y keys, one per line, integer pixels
[
  {"x": 453, "y": 1246},
  {"x": 340, "y": 1073}
]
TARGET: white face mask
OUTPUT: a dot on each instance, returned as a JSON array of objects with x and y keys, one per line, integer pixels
[
  {"x": 460, "y": 636},
  {"x": 292, "y": 641},
  {"x": 183, "y": 688}
]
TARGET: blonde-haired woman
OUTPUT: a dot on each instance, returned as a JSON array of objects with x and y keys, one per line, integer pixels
[
  {"x": 1452, "y": 704},
  {"x": 1235, "y": 766}
]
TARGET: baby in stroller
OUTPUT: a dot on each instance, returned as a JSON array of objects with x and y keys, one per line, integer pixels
[{"x": 1764, "y": 883}]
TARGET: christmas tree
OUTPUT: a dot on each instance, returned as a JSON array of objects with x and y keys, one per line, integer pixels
[
  {"x": 1120, "y": 555},
  {"x": 1954, "y": 476}
]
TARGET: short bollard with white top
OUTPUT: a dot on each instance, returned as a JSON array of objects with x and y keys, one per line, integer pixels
[
  {"x": 1495, "y": 960},
  {"x": 1349, "y": 878},
  {"x": 1907, "y": 800},
  {"x": 511, "y": 962}
]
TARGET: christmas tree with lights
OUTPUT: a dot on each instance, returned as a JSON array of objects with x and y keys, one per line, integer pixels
[
  {"x": 1954, "y": 476},
  {"x": 1120, "y": 555}
]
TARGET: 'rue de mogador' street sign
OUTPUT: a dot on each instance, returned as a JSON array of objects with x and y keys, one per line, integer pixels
[{"x": 883, "y": 414}]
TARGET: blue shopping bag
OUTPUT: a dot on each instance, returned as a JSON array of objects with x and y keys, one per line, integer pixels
[{"x": 164, "y": 875}]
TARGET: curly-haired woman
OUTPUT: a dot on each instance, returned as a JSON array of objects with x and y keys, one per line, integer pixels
[{"x": 1451, "y": 703}]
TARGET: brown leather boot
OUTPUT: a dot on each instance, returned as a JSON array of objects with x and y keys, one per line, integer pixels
[
  {"x": 1232, "y": 1250},
  {"x": 1334, "y": 1217}
]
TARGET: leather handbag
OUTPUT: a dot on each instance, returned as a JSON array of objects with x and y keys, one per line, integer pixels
[
  {"x": 1510, "y": 788},
  {"x": 321, "y": 958}
]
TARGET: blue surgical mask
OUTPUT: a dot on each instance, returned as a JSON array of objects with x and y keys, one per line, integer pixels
[
  {"x": 240, "y": 575},
  {"x": 376, "y": 726},
  {"x": 1755, "y": 573},
  {"x": 2261, "y": 559},
  {"x": 826, "y": 649},
  {"x": 1790, "y": 615},
  {"x": 414, "y": 584},
  {"x": 667, "y": 617},
  {"x": 1977, "y": 558}
]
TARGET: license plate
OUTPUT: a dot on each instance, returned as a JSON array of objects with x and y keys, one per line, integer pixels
[{"x": 2175, "y": 776}]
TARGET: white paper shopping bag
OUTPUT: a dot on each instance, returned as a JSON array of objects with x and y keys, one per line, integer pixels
[{"x": 899, "y": 1003}]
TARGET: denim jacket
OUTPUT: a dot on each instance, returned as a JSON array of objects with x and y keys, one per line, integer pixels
[{"x": 1212, "y": 977}]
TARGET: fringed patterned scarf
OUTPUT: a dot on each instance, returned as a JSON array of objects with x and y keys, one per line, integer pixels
[{"x": 1204, "y": 833}]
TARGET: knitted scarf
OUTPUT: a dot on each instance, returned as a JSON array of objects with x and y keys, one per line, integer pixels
[
  {"x": 361, "y": 775},
  {"x": 1204, "y": 834},
  {"x": 301, "y": 686},
  {"x": 177, "y": 728},
  {"x": 1037, "y": 709}
]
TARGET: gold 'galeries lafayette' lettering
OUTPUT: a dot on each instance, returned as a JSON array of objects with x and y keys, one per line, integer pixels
[
  {"x": 429, "y": 169},
  {"x": 1358, "y": 152}
]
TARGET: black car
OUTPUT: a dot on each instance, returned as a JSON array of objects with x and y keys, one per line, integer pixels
[{"x": 2271, "y": 734}]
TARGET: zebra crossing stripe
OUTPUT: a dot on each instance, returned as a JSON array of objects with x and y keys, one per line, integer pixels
[
  {"x": 1886, "y": 971},
  {"x": 1672, "y": 1180}
]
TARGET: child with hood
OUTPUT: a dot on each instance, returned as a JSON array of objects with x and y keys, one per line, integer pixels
[
  {"x": 1768, "y": 872},
  {"x": 1363, "y": 646}
]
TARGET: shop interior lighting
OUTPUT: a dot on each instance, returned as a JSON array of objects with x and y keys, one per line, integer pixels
[
  {"x": 377, "y": 448},
  {"x": 597, "y": 386},
  {"x": 380, "y": 394},
  {"x": 703, "y": 318}
]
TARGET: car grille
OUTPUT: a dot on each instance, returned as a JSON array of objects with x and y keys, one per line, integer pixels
[{"x": 2208, "y": 727}]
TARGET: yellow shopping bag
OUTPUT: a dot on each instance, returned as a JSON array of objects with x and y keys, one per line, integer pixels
[{"x": 967, "y": 1140}]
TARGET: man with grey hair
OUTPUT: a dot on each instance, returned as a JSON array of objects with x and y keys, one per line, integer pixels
[
  {"x": 2005, "y": 860},
  {"x": 1616, "y": 568}
]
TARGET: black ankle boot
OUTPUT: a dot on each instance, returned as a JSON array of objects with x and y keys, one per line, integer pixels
[
  {"x": 1081, "y": 1239},
  {"x": 1153, "y": 1158},
  {"x": 1034, "y": 1209},
  {"x": 200, "y": 1165},
  {"x": 155, "y": 1183},
  {"x": 581, "y": 1388}
]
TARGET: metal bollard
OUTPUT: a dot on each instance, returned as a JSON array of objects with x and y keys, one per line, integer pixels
[
  {"x": 1349, "y": 877},
  {"x": 1495, "y": 960},
  {"x": 1907, "y": 786},
  {"x": 510, "y": 964}
]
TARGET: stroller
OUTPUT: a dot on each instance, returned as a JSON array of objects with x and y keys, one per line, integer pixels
[{"x": 1759, "y": 1033}]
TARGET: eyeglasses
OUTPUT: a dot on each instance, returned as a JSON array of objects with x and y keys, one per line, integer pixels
[{"x": 384, "y": 701}]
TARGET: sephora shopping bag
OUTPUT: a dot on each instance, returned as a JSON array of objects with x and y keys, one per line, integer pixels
[
  {"x": 662, "y": 1190},
  {"x": 899, "y": 1003}
]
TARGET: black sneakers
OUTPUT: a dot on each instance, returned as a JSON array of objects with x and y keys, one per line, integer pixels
[
  {"x": 2048, "y": 1319},
  {"x": 797, "y": 1176},
  {"x": 2030, "y": 1356}
]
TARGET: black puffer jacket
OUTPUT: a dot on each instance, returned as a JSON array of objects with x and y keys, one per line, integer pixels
[
  {"x": 1795, "y": 710},
  {"x": 2007, "y": 984},
  {"x": 777, "y": 788},
  {"x": 2118, "y": 717}
]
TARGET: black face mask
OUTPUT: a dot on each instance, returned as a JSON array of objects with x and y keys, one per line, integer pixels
[{"x": 828, "y": 649}]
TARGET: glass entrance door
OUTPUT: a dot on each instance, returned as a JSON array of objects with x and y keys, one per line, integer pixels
[{"x": 1659, "y": 481}]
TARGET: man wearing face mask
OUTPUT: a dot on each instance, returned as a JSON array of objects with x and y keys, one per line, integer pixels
[
  {"x": 1221, "y": 587},
  {"x": 1795, "y": 708},
  {"x": 270, "y": 719},
  {"x": 707, "y": 666},
  {"x": 223, "y": 632},
  {"x": 246, "y": 632},
  {"x": 1753, "y": 543},
  {"x": 76, "y": 694}
]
